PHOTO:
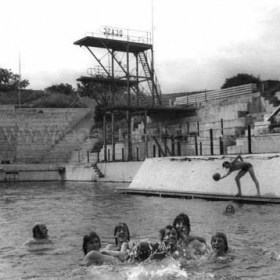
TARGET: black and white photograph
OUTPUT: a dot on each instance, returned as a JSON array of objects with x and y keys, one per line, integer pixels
[{"x": 140, "y": 140}]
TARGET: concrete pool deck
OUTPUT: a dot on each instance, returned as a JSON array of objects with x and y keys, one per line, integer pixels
[{"x": 191, "y": 177}]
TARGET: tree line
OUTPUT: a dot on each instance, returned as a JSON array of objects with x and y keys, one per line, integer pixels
[{"x": 10, "y": 81}]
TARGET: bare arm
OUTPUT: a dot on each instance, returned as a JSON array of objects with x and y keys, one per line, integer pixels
[
  {"x": 193, "y": 237},
  {"x": 224, "y": 176},
  {"x": 94, "y": 257},
  {"x": 120, "y": 254},
  {"x": 237, "y": 158}
]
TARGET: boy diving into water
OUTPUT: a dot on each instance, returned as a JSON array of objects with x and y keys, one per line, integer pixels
[{"x": 243, "y": 168}]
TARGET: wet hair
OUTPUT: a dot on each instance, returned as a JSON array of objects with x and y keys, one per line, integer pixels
[
  {"x": 226, "y": 163},
  {"x": 221, "y": 235},
  {"x": 184, "y": 218},
  {"x": 37, "y": 232},
  {"x": 117, "y": 228},
  {"x": 143, "y": 251},
  {"x": 230, "y": 209},
  {"x": 88, "y": 238},
  {"x": 162, "y": 231}
]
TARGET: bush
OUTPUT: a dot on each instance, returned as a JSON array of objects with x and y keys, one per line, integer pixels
[
  {"x": 26, "y": 97},
  {"x": 56, "y": 100}
]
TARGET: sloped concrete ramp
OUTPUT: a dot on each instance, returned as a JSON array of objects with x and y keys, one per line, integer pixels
[{"x": 191, "y": 177}]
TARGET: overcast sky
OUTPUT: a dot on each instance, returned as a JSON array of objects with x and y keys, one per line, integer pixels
[{"x": 198, "y": 43}]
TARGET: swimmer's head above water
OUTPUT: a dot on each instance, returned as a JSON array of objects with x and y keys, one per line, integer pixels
[
  {"x": 91, "y": 242},
  {"x": 230, "y": 209},
  {"x": 169, "y": 235},
  {"x": 219, "y": 243},
  {"x": 40, "y": 231},
  {"x": 121, "y": 233},
  {"x": 182, "y": 223}
]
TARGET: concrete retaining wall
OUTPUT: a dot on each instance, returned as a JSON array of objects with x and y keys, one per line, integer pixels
[
  {"x": 80, "y": 173},
  {"x": 114, "y": 172},
  {"x": 194, "y": 174},
  {"x": 119, "y": 171},
  {"x": 32, "y": 172}
]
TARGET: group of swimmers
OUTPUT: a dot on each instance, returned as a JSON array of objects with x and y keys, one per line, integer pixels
[{"x": 175, "y": 241}]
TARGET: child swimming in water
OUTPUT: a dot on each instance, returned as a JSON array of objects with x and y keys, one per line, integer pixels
[
  {"x": 243, "y": 168},
  {"x": 121, "y": 247},
  {"x": 40, "y": 235},
  {"x": 219, "y": 244},
  {"x": 182, "y": 224},
  {"x": 169, "y": 237},
  {"x": 230, "y": 209},
  {"x": 142, "y": 251},
  {"x": 91, "y": 248}
]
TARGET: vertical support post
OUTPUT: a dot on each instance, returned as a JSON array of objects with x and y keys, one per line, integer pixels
[
  {"x": 137, "y": 79},
  {"x": 129, "y": 132},
  {"x": 154, "y": 151},
  {"x": 249, "y": 140},
  {"x": 145, "y": 134},
  {"x": 197, "y": 124},
  {"x": 178, "y": 148},
  {"x": 109, "y": 157},
  {"x": 137, "y": 153},
  {"x": 122, "y": 154},
  {"x": 112, "y": 136},
  {"x": 113, "y": 77},
  {"x": 152, "y": 75},
  {"x": 129, "y": 154},
  {"x": 87, "y": 156},
  {"x": 104, "y": 137},
  {"x": 128, "y": 76},
  {"x": 172, "y": 145},
  {"x": 211, "y": 142},
  {"x": 222, "y": 126},
  {"x": 200, "y": 148},
  {"x": 221, "y": 146},
  {"x": 165, "y": 145},
  {"x": 196, "y": 147}
]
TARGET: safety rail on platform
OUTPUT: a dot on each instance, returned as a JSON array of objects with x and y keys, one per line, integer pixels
[
  {"x": 203, "y": 97},
  {"x": 123, "y": 34},
  {"x": 222, "y": 137}
]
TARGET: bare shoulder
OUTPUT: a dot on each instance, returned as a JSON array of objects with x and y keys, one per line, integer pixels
[
  {"x": 111, "y": 247},
  {"x": 94, "y": 257},
  {"x": 38, "y": 242}
]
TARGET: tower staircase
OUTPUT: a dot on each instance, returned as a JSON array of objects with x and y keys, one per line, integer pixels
[{"x": 153, "y": 85}]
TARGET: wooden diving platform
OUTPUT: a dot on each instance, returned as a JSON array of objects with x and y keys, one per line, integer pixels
[
  {"x": 107, "y": 81},
  {"x": 206, "y": 196},
  {"x": 115, "y": 45}
]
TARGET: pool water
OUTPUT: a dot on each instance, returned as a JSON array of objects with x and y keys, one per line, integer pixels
[{"x": 71, "y": 210}]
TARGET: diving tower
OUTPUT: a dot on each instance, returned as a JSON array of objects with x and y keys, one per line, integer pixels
[
  {"x": 124, "y": 79},
  {"x": 127, "y": 64}
]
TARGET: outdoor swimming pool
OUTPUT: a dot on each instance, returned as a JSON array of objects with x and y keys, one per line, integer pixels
[{"x": 71, "y": 210}]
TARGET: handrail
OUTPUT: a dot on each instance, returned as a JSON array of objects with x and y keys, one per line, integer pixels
[
  {"x": 123, "y": 34},
  {"x": 215, "y": 94}
]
